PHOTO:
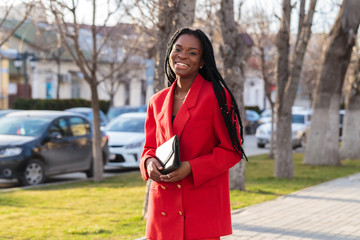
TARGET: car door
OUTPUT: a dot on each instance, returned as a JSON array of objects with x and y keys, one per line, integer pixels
[
  {"x": 81, "y": 143},
  {"x": 57, "y": 149}
]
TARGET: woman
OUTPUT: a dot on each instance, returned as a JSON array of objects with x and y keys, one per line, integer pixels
[{"x": 193, "y": 201}]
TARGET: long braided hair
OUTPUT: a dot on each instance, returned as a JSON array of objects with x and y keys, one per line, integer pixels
[{"x": 210, "y": 73}]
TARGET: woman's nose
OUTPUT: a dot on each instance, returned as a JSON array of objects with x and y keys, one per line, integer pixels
[{"x": 182, "y": 55}]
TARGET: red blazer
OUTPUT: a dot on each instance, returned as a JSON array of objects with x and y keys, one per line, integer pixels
[{"x": 198, "y": 206}]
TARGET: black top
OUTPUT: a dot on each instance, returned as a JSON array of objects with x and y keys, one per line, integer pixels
[{"x": 172, "y": 119}]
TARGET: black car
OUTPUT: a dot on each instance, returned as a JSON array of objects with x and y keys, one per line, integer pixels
[
  {"x": 37, "y": 144},
  {"x": 252, "y": 121},
  {"x": 4, "y": 112}
]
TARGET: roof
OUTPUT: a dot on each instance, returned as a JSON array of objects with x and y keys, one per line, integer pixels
[
  {"x": 41, "y": 113},
  {"x": 79, "y": 109},
  {"x": 133, "y": 115}
]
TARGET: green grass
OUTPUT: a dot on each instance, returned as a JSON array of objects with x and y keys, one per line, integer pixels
[{"x": 112, "y": 208}]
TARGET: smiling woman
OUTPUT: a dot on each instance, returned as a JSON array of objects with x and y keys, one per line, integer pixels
[{"x": 199, "y": 108}]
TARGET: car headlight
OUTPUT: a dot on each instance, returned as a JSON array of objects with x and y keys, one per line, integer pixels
[
  {"x": 134, "y": 145},
  {"x": 10, "y": 152},
  {"x": 262, "y": 131}
]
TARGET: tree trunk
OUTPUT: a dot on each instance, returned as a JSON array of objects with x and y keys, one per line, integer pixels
[
  {"x": 272, "y": 136},
  {"x": 350, "y": 145},
  {"x": 287, "y": 84},
  {"x": 283, "y": 156},
  {"x": 58, "y": 62},
  {"x": 171, "y": 17},
  {"x": 164, "y": 31},
  {"x": 234, "y": 53},
  {"x": 96, "y": 143},
  {"x": 111, "y": 95},
  {"x": 322, "y": 146}
]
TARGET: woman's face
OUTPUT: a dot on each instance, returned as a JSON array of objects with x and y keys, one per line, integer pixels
[{"x": 186, "y": 56}]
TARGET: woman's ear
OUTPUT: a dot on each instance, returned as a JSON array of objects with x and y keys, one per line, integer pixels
[{"x": 202, "y": 63}]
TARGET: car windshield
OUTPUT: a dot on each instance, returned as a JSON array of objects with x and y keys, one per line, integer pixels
[
  {"x": 127, "y": 125},
  {"x": 114, "y": 112},
  {"x": 298, "y": 118},
  {"x": 23, "y": 126}
]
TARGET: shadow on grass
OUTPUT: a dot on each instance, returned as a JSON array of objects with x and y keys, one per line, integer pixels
[
  {"x": 259, "y": 191},
  {"x": 126, "y": 180}
]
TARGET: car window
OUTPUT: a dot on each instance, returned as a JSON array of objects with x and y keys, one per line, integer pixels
[
  {"x": 102, "y": 117},
  {"x": 341, "y": 118},
  {"x": 298, "y": 118},
  {"x": 23, "y": 126},
  {"x": 127, "y": 125},
  {"x": 59, "y": 126},
  {"x": 114, "y": 112},
  {"x": 79, "y": 127}
]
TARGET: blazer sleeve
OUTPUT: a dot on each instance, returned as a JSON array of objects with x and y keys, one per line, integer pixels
[
  {"x": 223, "y": 156},
  {"x": 150, "y": 140}
]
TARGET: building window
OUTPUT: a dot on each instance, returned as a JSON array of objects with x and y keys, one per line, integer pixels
[
  {"x": 127, "y": 93},
  {"x": 48, "y": 89},
  {"x": 143, "y": 91},
  {"x": 75, "y": 88}
]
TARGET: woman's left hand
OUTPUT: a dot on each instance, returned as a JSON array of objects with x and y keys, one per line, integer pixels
[{"x": 178, "y": 174}]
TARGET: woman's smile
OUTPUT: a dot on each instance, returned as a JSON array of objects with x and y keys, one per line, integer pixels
[{"x": 181, "y": 65}]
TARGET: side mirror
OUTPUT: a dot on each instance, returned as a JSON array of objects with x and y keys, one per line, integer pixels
[{"x": 55, "y": 135}]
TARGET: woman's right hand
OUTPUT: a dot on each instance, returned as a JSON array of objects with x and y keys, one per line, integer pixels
[{"x": 152, "y": 167}]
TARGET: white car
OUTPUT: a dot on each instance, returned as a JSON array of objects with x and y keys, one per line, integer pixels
[
  {"x": 300, "y": 123},
  {"x": 126, "y": 139}
]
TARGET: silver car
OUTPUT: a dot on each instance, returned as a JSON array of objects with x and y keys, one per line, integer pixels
[
  {"x": 126, "y": 139},
  {"x": 301, "y": 120}
]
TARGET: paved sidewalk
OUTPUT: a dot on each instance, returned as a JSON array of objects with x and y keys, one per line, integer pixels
[{"x": 327, "y": 211}]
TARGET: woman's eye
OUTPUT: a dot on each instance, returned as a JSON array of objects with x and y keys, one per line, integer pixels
[
  {"x": 176, "y": 50},
  {"x": 192, "y": 53}
]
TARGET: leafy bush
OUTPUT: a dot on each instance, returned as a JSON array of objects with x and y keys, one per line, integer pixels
[{"x": 57, "y": 104}]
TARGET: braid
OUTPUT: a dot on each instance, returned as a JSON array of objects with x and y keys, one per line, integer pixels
[{"x": 210, "y": 73}]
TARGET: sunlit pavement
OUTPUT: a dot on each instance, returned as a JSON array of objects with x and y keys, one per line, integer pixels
[{"x": 327, "y": 211}]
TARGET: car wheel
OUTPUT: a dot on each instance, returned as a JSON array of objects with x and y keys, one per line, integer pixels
[
  {"x": 303, "y": 141},
  {"x": 90, "y": 173},
  {"x": 261, "y": 145},
  {"x": 34, "y": 173}
]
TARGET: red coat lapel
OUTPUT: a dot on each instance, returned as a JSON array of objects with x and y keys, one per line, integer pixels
[
  {"x": 164, "y": 118},
  {"x": 183, "y": 116}
]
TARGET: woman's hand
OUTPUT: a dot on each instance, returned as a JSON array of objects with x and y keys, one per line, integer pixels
[
  {"x": 152, "y": 167},
  {"x": 178, "y": 174}
]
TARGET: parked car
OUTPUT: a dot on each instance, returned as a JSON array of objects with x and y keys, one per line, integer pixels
[
  {"x": 37, "y": 144},
  {"x": 88, "y": 113},
  {"x": 116, "y": 111},
  {"x": 252, "y": 121},
  {"x": 265, "y": 116},
  {"x": 301, "y": 120},
  {"x": 126, "y": 139}
]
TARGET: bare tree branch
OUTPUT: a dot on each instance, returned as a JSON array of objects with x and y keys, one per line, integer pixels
[{"x": 29, "y": 7}]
